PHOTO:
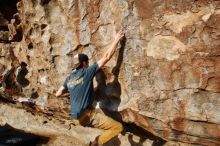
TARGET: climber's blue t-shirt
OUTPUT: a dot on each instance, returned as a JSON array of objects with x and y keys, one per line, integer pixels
[{"x": 80, "y": 87}]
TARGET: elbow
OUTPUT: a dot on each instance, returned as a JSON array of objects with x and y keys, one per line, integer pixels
[{"x": 107, "y": 58}]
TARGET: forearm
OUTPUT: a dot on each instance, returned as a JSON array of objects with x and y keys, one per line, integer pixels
[
  {"x": 108, "y": 55},
  {"x": 60, "y": 91}
]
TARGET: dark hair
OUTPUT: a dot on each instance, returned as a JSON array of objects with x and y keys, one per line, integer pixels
[{"x": 82, "y": 58}]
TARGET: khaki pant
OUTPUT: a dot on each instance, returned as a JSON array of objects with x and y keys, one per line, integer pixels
[{"x": 95, "y": 118}]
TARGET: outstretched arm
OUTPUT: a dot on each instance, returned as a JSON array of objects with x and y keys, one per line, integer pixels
[
  {"x": 60, "y": 91},
  {"x": 109, "y": 53}
]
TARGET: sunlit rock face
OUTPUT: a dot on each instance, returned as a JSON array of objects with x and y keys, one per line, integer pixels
[{"x": 165, "y": 77}]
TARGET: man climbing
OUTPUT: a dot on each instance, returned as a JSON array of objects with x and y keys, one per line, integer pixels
[{"x": 80, "y": 86}]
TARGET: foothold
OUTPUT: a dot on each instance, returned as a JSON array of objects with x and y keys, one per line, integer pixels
[
  {"x": 21, "y": 73},
  {"x": 30, "y": 45},
  {"x": 43, "y": 26},
  {"x": 44, "y": 2},
  {"x": 34, "y": 95}
]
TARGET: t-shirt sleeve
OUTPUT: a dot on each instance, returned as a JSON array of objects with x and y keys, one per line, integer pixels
[
  {"x": 91, "y": 70},
  {"x": 65, "y": 83}
]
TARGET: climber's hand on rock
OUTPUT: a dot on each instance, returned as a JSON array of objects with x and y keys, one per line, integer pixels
[
  {"x": 66, "y": 94},
  {"x": 119, "y": 36}
]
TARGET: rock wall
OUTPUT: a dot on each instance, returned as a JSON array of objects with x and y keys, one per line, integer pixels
[{"x": 165, "y": 77}]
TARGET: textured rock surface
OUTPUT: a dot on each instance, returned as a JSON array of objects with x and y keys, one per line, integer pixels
[{"x": 166, "y": 75}]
